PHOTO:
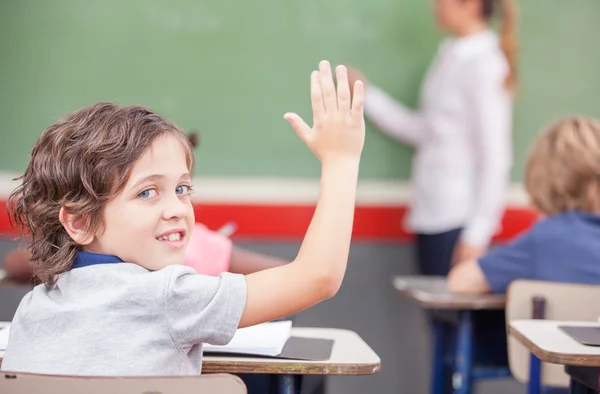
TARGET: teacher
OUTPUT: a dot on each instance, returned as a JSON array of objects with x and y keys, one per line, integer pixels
[{"x": 461, "y": 133}]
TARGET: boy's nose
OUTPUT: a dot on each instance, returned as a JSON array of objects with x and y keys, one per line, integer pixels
[{"x": 175, "y": 209}]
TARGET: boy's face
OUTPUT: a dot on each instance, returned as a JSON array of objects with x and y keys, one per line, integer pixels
[{"x": 149, "y": 222}]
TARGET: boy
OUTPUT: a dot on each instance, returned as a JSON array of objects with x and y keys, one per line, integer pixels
[
  {"x": 563, "y": 179},
  {"x": 105, "y": 200}
]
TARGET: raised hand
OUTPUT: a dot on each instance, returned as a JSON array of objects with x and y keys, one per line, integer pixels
[
  {"x": 338, "y": 130},
  {"x": 336, "y": 138}
]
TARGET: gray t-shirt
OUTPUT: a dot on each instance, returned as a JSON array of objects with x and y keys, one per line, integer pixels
[{"x": 121, "y": 319}]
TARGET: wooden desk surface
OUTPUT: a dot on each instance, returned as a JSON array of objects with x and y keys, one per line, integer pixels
[
  {"x": 431, "y": 292},
  {"x": 350, "y": 356},
  {"x": 550, "y": 344}
]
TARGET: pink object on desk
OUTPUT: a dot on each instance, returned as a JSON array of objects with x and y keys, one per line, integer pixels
[{"x": 208, "y": 252}]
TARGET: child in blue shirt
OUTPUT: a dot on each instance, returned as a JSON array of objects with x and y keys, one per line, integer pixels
[
  {"x": 563, "y": 180},
  {"x": 105, "y": 201}
]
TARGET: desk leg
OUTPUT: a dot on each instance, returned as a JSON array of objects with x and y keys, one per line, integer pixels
[
  {"x": 580, "y": 388},
  {"x": 286, "y": 384},
  {"x": 461, "y": 379},
  {"x": 438, "y": 379}
]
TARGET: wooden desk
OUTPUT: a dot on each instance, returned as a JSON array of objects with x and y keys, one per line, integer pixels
[
  {"x": 431, "y": 292},
  {"x": 350, "y": 355},
  {"x": 550, "y": 344}
]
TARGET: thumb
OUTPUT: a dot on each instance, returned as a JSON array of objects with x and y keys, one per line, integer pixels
[{"x": 301, "y": 128}]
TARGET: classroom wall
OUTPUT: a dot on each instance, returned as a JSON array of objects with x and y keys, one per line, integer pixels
[{"x": 230, "y": 69}]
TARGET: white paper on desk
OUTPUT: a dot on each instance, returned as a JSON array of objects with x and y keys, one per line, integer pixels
[
  {"x": 4, "y": 337},
  {"x": 266, "y": 339}
]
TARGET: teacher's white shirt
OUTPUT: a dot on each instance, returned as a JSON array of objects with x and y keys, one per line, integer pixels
[{"x": 462, "y": 137}]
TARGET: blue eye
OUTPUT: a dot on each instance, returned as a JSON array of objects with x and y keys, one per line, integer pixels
[
  {"x": 183, "y": 189},
  {"x": 148, "y": 193}
]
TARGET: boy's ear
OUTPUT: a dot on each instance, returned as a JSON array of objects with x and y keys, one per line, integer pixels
[{"x": 77, "y": 227}]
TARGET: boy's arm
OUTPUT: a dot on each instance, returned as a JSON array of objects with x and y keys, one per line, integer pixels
[
  {"x": 244, "y": 261},
  {"x": 316, "y": 274},
  {"x": 495, "y": 270},
  {"x": 468, "y": 278}
]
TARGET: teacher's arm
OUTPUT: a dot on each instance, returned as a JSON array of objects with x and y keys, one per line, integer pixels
[
  {"x": 491, "y": 118},
  {"x": 390, "y": 116}
]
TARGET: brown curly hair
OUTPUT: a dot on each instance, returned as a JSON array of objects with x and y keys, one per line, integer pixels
[{"x": 80, "y": 163}]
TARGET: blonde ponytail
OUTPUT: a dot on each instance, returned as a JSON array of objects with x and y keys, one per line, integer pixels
[{"x": 508, "y": 41}]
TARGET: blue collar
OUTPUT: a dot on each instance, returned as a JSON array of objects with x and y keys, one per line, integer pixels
[{"x": 85, "y": 259}]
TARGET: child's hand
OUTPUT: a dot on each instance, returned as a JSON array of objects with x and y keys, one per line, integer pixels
[
  {"x": 338, "y": 130},
  {"x": 337, "y": 139},
  {"x": 465, "y": 252}
]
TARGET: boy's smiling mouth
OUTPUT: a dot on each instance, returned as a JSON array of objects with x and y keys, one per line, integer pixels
[{"x": 172, "y": 236}]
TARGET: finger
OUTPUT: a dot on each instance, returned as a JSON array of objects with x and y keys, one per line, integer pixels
[
  {"x": 358, "y": 99},
  {"x": 316, "y": 96},
  {"x": 299, "y": 126},
  {"x": 343, "y": 89},
  {"x": 327, "y": 87}
]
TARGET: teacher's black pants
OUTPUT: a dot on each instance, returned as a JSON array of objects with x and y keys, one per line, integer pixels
[{"x": 434, "y": 257}]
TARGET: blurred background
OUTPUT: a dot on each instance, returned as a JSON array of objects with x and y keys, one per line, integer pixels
[{"x": 229, "y": 70}]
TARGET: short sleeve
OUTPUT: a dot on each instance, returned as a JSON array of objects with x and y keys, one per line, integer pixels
[
  {"x": 504, "y": 264},
  {"x": 203, "y": 309},
  {"x": 208, "y": 252}
]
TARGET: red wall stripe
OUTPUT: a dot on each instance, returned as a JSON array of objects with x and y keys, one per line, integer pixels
[
  {"x": 289, "y": 222},
  {"x": 370, "y": 223}
]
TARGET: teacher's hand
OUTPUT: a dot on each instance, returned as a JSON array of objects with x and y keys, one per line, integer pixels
[{"x": 356, "y": 75}]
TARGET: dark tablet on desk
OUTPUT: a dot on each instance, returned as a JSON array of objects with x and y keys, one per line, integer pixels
[
  {"x": 296, "y": 348},
  {"x": 311, "y": 349},
  {"x": 589, "y": 335}
]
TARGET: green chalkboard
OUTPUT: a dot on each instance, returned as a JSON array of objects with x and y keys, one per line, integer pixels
[{"x": 231, "y": 69}]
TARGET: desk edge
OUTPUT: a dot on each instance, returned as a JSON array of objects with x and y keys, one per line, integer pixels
[
  {"x": 429, "y": 302},
  {"x": 292, "y": 367},
  {"x": 552, "y": 357}
]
